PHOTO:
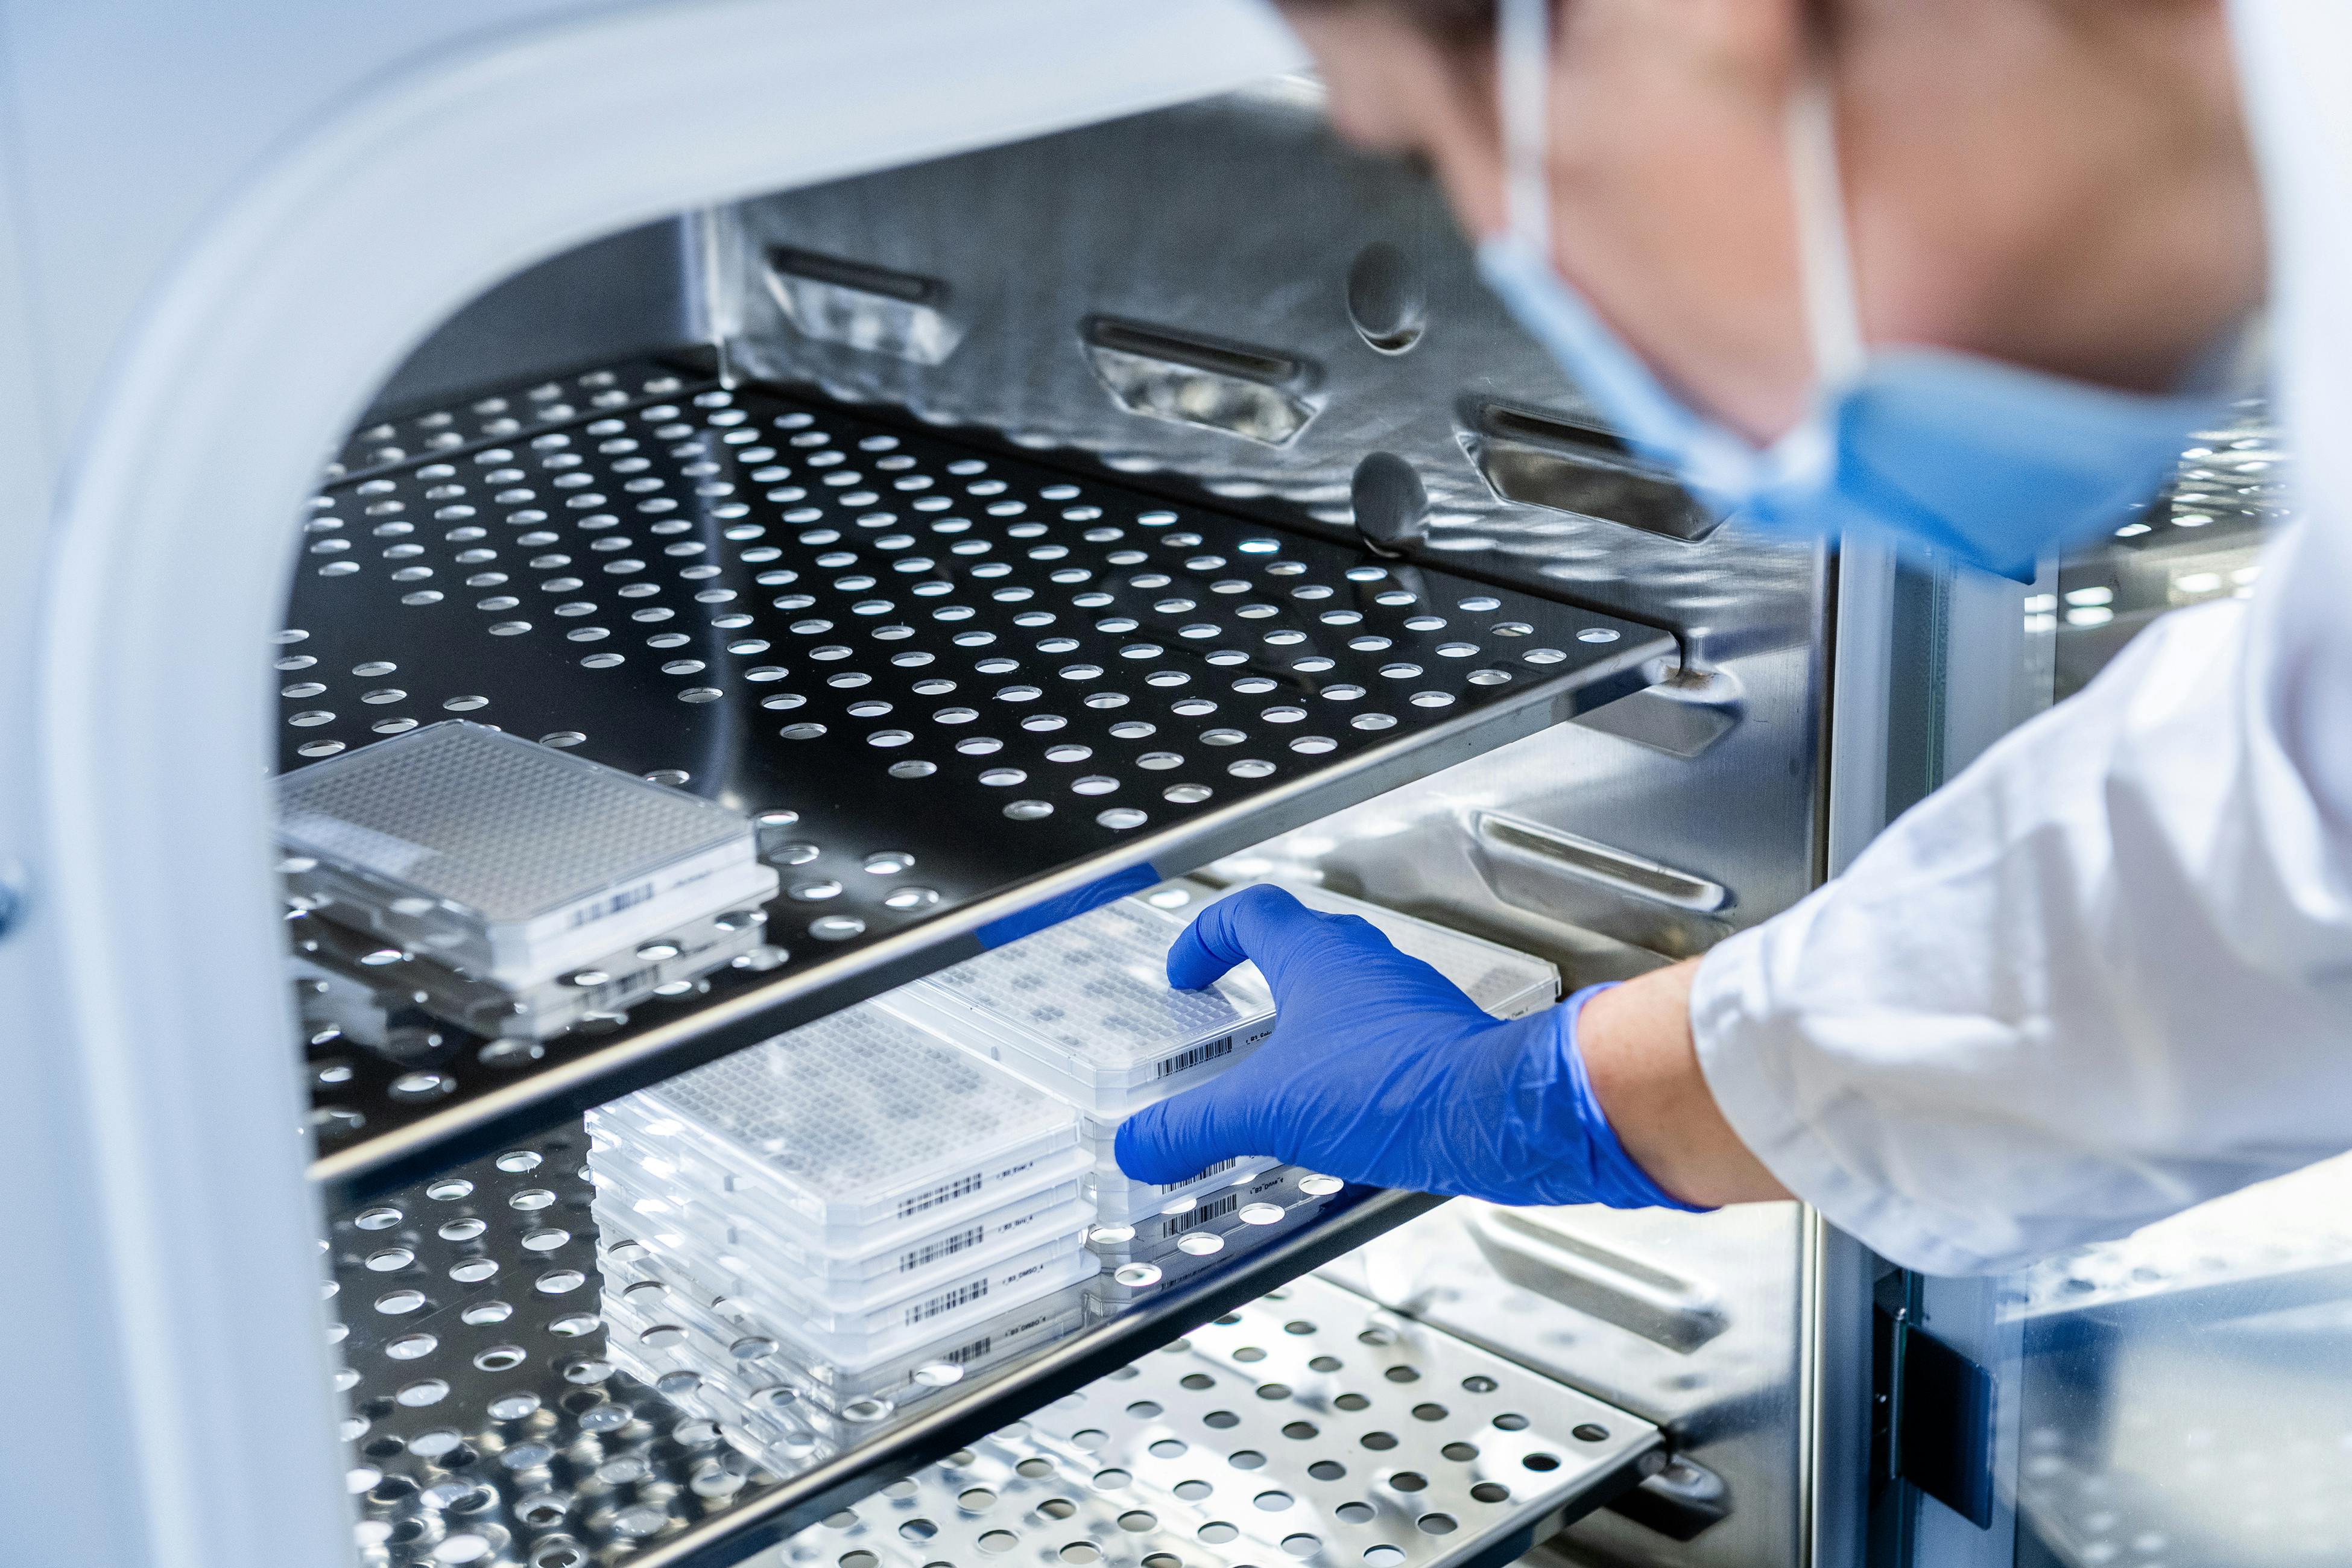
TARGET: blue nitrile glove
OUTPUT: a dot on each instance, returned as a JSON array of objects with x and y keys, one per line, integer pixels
[{"x": 1380, "y": 1070}]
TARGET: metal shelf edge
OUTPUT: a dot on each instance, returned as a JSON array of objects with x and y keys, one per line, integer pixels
[
  {"x": 810, "y": 1496},
  {"x": 374, "y": 1165}
]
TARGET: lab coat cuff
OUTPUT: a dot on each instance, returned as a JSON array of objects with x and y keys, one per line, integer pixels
[{"x": 1746, "y": 1047}]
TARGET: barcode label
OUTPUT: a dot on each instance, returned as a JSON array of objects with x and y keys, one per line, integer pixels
[
  {"x": 613, "y": 904},
  {"x": 946, "y": 1302},
  {"x": 946, "y": 1246},
  {"x": 971, "y": 1351},
  {"x": 1216, "y": 1208},
  {"x": 1185, "y": 1062},
  {"x": 946, "y": 1192},
  {"x": 1218, "y": 1169}
]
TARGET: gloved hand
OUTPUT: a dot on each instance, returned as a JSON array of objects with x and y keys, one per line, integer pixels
[{"x": 1380, "y": 1070}]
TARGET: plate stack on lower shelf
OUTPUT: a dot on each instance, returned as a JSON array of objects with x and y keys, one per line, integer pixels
[
  {"x": 805, "y": 1237},
  {"x": 1084, "y": 1011},
  {"x": 1502, "y": 980},
  {"x": 801, "y": 1237}
]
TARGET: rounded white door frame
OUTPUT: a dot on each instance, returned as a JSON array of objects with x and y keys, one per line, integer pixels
[{"x": 169, "y": 560}]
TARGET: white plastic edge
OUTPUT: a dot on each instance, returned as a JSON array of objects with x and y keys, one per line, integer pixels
[{"x": 169, "y": 569}]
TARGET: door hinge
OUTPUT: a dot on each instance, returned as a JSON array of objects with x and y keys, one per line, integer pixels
[{"x": 1931, "y": 1411}]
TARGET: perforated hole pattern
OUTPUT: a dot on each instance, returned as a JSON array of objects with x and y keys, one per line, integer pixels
[
  {"x": 930, "y": 672},
  {"x": 483, "y": 1421},
  {"x": 1307, "y": 1427},
  {"x": 486, "y": 1420}
]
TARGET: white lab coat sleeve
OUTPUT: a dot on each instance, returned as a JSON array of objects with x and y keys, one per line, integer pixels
[{"x": 2104, "y": 973}]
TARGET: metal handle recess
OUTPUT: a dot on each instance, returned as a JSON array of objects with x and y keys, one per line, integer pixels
[{"x": 1638, "y": 1297}]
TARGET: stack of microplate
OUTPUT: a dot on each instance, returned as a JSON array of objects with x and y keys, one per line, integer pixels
[
  {"x": 1084, "y": 1010},
  {"x": 508, "y": 886},
  {"x": 804, "y": 1236},
  {"x": 811, "y": 1234}
]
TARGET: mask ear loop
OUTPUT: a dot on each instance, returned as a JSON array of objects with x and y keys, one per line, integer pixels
[
  {"x": 1523, "y": 51},
  {"x": 1824, "y": 255}
]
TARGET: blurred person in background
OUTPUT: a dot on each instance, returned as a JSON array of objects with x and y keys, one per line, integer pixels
[{"x": 1962, "y": 274}]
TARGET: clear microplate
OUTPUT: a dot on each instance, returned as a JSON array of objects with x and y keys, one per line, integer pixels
[
  {"x": 1220, "y": 1213},
  {"x": 510, "y": 860},
  {"x": 743, "y": 1276},
  {"x": 1502, "y": 980},
  {"x": 916, "y": 1327},
  {"x": 727, "y": 1255},
  {"x": 768, "y": 1376},
  {"x": 655, "y": 1198},
  {"x": 773, "y": 1423},
  {"x": 1084, "y": 1008},
  {"x": 1116, "y": 1197},
  {"x": 669, "y": 965},
  {"x": 754, "y": 1376},
  {"x": 855, "y": 1125},
  {"x": 1121, "y": 1284}
]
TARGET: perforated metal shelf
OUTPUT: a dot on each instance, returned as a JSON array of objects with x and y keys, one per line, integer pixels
[
  {"x": 2282, "y": 1243},
  {"x": 957, "y": 689},
  {"x": 487, "y": 1423},
  {"x": 1310, "y": 1427},
  {"x": 507, "y": 414}
]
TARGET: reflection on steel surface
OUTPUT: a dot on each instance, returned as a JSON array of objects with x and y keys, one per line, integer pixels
[
  {"x": 2269, "y": 1246},
  {"x": 1614, "y": 1283},
  {"x": 1727, "y": 1401},
  {"x": 1388, "y": 300},
  {"x": 869, "y": 308},
  {"x": 1218, "y": 386},
  {"x": 1242, "y": 221},
  {"x": 485, "y": 1404},
  {"x": 1306, "y": 1428},
  {"x": 2198, "y": 541},
  {"x": 2184, "y": 1389},
  {"x": 1570, "y": 466},
  {"x": 1563, "y": 853}
]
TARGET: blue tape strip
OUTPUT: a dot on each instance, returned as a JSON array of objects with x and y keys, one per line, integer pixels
[{"x": 1077, "y": 902}]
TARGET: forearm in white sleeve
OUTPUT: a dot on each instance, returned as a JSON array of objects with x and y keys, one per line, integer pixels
[{"x": 2104, "y": 973}]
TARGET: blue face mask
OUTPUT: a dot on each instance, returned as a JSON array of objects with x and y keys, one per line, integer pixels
[{"x": 1987, "y": 463}]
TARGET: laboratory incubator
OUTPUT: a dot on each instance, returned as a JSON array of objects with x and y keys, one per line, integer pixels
[{"x": 635, "y": 627}]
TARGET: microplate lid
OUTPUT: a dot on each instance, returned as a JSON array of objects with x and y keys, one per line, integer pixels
[
  {"x": 864, "y": 1119},
  {"x": 504, "y": 827},
  {"x": 1502, "y": 980},
  {"x": 1095, "y": 988}
]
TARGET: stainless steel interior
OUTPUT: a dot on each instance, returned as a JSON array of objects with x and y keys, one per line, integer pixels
[{"x": 1214, "y": 310}]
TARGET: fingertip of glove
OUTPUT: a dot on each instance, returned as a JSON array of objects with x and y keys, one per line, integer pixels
[
  {"x": 1189, "y": 967},
  {"x": 1136, "y": 1148},
  {"x": 1148, "y": 1152},
  {"x": 1238, "y": 929}
]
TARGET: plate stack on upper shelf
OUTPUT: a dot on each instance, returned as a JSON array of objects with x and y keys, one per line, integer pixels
[
  {"x": 509, "y": 888},
  {"x": 804, "y": 1236}
]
